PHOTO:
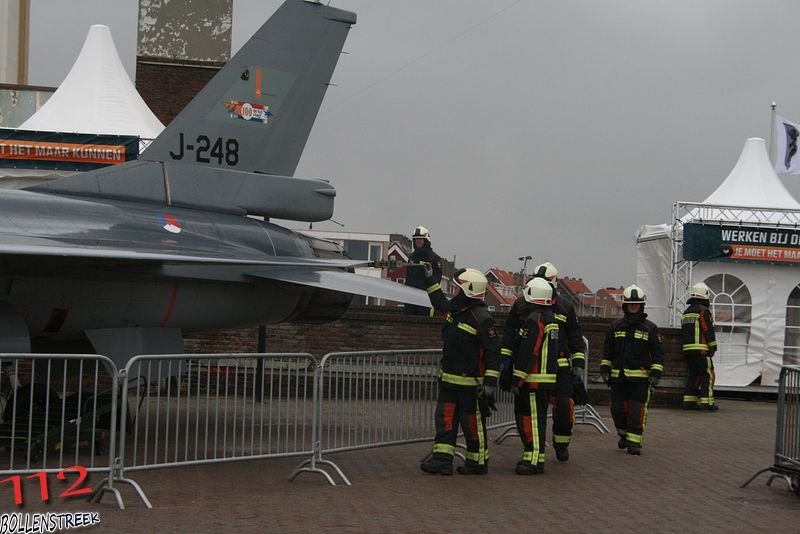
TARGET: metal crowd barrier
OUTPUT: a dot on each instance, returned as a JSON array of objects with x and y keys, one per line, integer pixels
[
  {"x": 191, "y": 409},
  {"x": 58, "y": 414},
  {"x": 376, "y": 399},
  {"x": 786, "y": 463}
]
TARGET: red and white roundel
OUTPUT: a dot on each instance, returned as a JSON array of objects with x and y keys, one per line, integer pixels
[{"x": 169, "y": 223}]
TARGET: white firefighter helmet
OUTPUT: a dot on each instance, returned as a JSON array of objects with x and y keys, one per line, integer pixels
[
  {"x": 699, "y": 291},
  {"x": 633, "y": 294},
  {"x": 420, "y": 232},
  {"x": 472, "y": 282},
  {"x": 547, "y": 271},
  {"x": 538, "y": 291}
]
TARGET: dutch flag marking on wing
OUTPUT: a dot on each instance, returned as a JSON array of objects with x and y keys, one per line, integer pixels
[{"x": 169, "y": 223}]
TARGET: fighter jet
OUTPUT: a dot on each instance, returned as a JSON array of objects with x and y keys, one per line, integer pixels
[{"x": 132, "y": 256}]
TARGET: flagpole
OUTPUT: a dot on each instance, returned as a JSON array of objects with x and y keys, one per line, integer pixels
[{"x": 771, "y": 132}]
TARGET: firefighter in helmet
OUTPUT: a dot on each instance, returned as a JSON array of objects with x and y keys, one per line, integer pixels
[
  {"x": 571, "y": 345},
  {"x": 632, "y": 364},
  {"x": 537, "y": 367},
  {"x": 468, "y": 374},
  {"x": 699, "y": 346},
  {"x": 421, "y": 258}
]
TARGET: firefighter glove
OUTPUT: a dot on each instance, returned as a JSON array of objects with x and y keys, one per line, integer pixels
[
  {"x": 653, "y": 380},
  {"x": 606, "y": 376},
  {"x": 488, "y": 392},
  {"x": 576, "y": 371},
  {"x": 428, "y": 270}
]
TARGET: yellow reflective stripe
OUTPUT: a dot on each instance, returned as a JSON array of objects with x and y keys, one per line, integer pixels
[
  {"x": 607, "y": 363},
  {"x": 561, "y": 439},
  {"x": 467, "y": 328},
  {"x": 430, "y": 312},
  {"x": 474, "y": 456},
  {"x": 641, "y": 335},
  {"x": 434, "y": 287},
  {"x": 492, "y": 372},
  {"x": 657, "y": 367},
  {"x": 636, "y": 373},
  {"x": 521, "y": 332},
  {"x": 560, "y": 317},
  {"x": 520, "y": 374},
  {"x": 506, "y": 352},
  {"x": 527, "y": 456},
  {"x": 460, "y": 380},
  {"x": 712, "y": 343},
  {"x": 615, "y": 373},
  {"x": 697, "y": 332},
  {"x": 535, "y": 428},
  {"x": 542, "y": 378},
  {"x": 690, "y": 399},
  {"x": 619, "y": 334},
  {"x": 550, "y": 327},
  {"x": 563, "y": 362},
  {"x": 695, "y": 346},
  {"x": 578, "y": 356},
  {"x": 483, "y": 450},
  {"x": 634, "y": 438},
  {"x": 690, "y": 316},
  {"x": 444, "y": 448},
  {"x": 449, "y": 317}
]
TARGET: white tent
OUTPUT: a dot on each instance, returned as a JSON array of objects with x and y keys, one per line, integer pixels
[
  {"x": 97, "y": 96},
  {"x": 750, "y": 299}
]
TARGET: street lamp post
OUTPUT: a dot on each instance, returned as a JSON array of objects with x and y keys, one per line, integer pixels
[{"x": 524, "y": 260}]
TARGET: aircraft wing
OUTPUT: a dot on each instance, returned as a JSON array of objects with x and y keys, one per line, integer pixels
[
  {"x": 346, "y": 283},
  {"x": 13, "y": 246}
]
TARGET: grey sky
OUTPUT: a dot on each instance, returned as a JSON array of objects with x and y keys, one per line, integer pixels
[{"x": 513, "y": 127}]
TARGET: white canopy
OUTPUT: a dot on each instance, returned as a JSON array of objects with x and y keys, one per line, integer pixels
[
  {"x": 752, "y": 344},
  {"x": 97, "y": 96},
  {"x": 753, "y": 183}
]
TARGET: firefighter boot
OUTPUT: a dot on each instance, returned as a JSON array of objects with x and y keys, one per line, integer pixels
[
  {"x": 562, "y": 453},
  {"x": 527, "y": 468},
  {"x": 472, "y": 467},
  {"x": 635, "y": 450},
  {"x": 437, "y": 465},
  {"x": 622, "y": 443}
]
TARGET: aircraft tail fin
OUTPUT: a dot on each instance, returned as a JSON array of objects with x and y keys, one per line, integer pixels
[{"x": 256, "y": 114}]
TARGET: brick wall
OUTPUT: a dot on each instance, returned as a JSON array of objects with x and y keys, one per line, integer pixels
[
  {"x": 367, "y": 328},
  {"x": 166, "y": 88}
]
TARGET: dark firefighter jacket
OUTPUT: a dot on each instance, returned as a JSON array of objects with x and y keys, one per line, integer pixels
[
  {"x": 415, "y": 276},
  {"x": 471, "y": 353},
  {"x": 633, "y": 350},
  {"x": 535, "y": 350},
  {"x": 571, "y": 332},
  {"x": 697, "y": 329}
]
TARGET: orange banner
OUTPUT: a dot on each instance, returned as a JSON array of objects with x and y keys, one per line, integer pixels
[
  {"x": 69, "y": 152},
  {"x": 758, "y": 253}
]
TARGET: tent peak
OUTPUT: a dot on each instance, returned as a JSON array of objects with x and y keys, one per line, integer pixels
[{"x": 753, "y": 182}]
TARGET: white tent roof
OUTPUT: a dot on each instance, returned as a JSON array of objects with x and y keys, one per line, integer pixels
[
  {"x": 97, "y": 96},
  {"x": 753, "y": 182}
]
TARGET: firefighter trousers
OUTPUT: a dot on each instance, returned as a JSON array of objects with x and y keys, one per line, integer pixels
[
  {"x": 629, "y": 401},
  {"x": 457, "y": 407},
  {"x": 530, "y": 413},
  {"x": 699, "y": 388}
]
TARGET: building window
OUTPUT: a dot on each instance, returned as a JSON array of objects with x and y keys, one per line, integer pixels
[
  {"x": 375, "y": 252},
  {"x": 791, "y": 341},
  {"x": 731, "y": 306}
]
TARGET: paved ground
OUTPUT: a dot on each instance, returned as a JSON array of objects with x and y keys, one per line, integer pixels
[{"x": 687, "y": 480}]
